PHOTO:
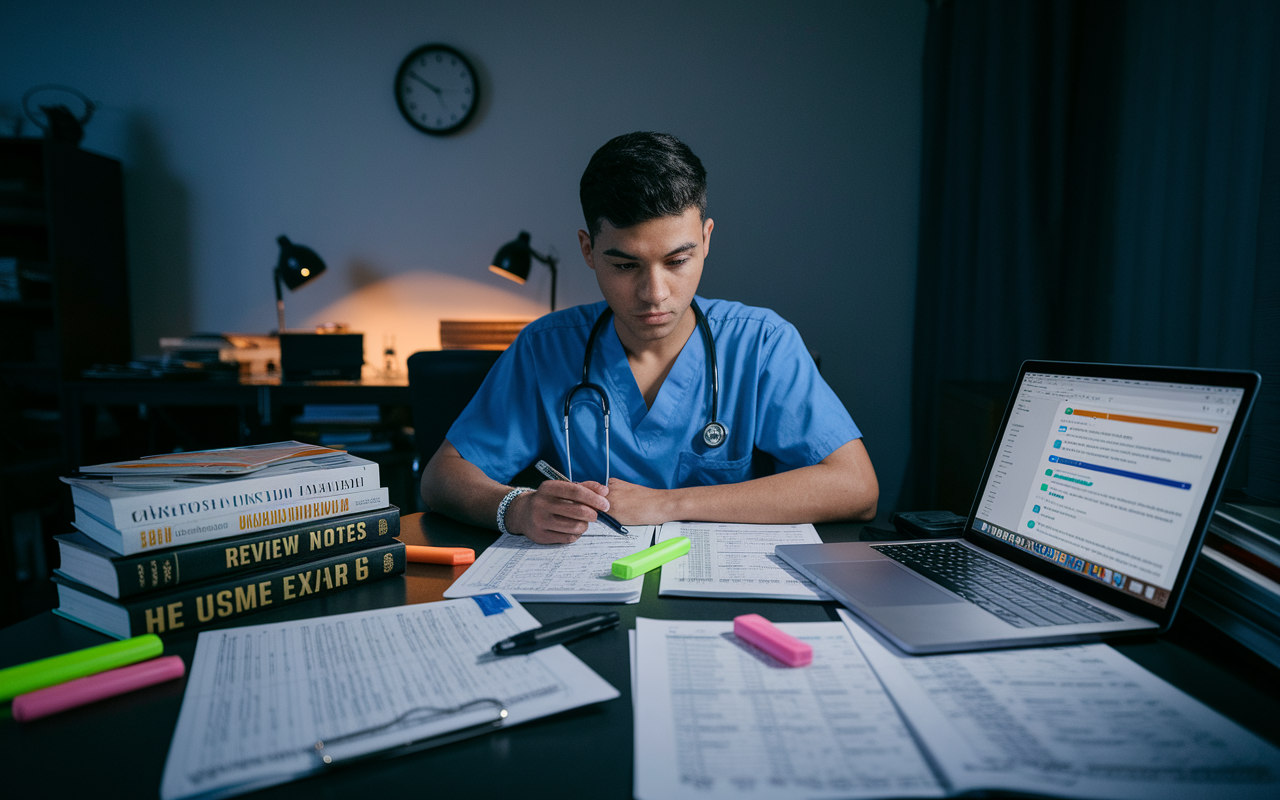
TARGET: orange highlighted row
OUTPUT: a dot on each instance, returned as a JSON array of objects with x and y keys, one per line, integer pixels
[{"x": 1163, "y": 423}]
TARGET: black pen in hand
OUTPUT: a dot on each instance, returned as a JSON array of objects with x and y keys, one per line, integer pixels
[
  {"x": 565, "y": 630},
  {"x": 556, "y": 475}
]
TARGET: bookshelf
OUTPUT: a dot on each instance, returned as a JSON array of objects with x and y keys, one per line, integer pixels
[{"x": 64, "y": 306}]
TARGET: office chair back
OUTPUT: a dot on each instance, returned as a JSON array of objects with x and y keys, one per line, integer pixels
[{"x": 441, "y": 383}]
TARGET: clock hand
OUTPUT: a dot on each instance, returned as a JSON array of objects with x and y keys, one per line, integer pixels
[
  {"x": 439, "y": 93},
  {"x": 414, "y": 75}
]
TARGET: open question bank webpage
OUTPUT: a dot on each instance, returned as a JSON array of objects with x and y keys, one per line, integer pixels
[{"x": 1106, "y": 477}]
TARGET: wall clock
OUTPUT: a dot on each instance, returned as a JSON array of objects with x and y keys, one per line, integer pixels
[{"x": 437, "y": 90}]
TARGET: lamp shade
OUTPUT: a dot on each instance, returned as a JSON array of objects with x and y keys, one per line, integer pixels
[
  {"x": 298, "y": 264},
  {"x": 512, "y": 260}
]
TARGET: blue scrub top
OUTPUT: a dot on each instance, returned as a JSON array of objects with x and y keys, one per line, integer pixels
[{"x": 771, "y": 398}]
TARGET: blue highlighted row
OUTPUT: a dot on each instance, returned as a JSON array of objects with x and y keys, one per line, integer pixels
[{"x": 1121, "y": 472}]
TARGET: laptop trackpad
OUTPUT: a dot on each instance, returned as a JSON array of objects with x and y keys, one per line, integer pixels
[{"x": 880, "y": 583}]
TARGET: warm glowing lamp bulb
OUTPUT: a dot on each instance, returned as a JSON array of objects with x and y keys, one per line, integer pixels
[
  {"x": 514, "y": 259},
  {"x": 495, "y": 269}
]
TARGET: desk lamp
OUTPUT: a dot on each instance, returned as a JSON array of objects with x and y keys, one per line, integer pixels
[
  {"x": 296, "y": 266},
  {"x": 512, "y": 261}
]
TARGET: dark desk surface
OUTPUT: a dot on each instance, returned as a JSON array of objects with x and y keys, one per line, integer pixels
[{"x": 118, "y": 747}]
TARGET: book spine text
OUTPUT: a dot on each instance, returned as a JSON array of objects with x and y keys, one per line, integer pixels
[
  {"x": 205, "y": 605},
  {"x": 169, "y": 568},
  {"x": 197, "y": 501},
  {"x": 156, "y": 537}
]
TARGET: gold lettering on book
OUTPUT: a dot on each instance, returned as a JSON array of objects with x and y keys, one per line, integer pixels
[
  {"x": 362, "y": 568},
  {"x": 339, "y": 574},
  {"x": 155, "y": 573},
  {"x": 328, "y": 579},
  {"x": 264, "y": 593},
  {"x": 342, "y": 534},
  {"x": 246, "y": 598},
  {"x": 382, "y": 527},
  {"x": 288, "y": 587},
  {"x": 175, "y": 616},
  {"x": 224, "y": 603},
  {"x": 201, "y": 614},
  {"x": 305, "y": 511},
  {"x": 304, "y": 578},
  {"x": 142, "y": 577},
  {"x": 155, "y": 619},
  {"x": 156, "y": 537},
  {"x": 388, "y": 562},
  {"x": 291, "y": 545}
]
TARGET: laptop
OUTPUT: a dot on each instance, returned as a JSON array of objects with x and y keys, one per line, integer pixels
[{"x": 1087, "y": 522}]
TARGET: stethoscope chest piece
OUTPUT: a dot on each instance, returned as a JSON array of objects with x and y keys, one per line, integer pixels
[{"x": 714, "y": 434}]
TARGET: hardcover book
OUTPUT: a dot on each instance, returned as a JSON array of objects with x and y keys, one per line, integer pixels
[
  {"x": 85, "y": 561},
  {"x": 125, "y": 504},
  {"x": 224, "y": 461},
  {"x": 162, "y": 536},
  {"x": 191, "y": 608}
]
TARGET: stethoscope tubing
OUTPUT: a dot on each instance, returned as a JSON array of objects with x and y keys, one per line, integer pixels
[{"x": 714, "y": 433}]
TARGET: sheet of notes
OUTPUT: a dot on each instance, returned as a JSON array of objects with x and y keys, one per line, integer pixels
[
  {"x": 716, "y": 718},
  {"x": 1076, "y": 721},
  {"x": 560, "y": 573},
  {"x": 736, "y": 560},
  {"x": 260, "y": 696}
]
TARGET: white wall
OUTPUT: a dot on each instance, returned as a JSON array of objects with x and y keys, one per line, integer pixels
[{"x": 239, "y": 121}]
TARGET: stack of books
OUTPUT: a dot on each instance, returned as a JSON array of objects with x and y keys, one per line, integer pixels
[
  {"x": 1236, "y": 584},
  {"x": 176, "y": 543}
]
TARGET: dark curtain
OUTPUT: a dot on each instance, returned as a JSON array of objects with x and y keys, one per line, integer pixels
[{"x": 1092, "y": 190}]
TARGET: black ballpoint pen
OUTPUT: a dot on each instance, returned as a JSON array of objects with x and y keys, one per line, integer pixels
[
  {"x": 565, "y": 630},
  {"x": 556, "y": 475}
]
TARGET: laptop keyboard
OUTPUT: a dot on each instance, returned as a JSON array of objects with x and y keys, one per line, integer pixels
[{"x": 1012, "y": 596}]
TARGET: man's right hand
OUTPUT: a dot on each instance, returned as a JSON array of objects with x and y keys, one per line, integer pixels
[{"x": 558, "y": 512}]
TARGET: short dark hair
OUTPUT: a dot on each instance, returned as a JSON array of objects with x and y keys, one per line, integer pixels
[{"x": 641, "y": 176}]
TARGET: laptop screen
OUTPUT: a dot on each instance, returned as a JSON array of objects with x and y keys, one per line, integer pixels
[{"x": 1107, "y": 477}]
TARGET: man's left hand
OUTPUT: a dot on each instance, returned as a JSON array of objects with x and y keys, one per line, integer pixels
[{"x": 633, "y": 504}]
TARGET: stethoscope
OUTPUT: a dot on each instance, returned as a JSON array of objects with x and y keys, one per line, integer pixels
[{"x": 713, "y": 434}]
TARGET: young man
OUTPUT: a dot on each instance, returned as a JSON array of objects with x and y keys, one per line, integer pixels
[{"x": 644, "y": 200}]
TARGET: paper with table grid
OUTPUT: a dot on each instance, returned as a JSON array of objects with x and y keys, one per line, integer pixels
[
  {"x": 580, "y": 572},
  {"x": 716, "y": 719},
  {"x": 260, "y": 696},
  {"x": 733, "y": 559},
  {"x": 1074, "y": 721}
]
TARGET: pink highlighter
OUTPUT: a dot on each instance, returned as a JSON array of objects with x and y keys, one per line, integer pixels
[
  {"x": 756, "y": 630},
  {"x": 82, "y": 691}
]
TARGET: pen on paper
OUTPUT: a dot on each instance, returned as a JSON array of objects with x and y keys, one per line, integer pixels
[
  {"x": 562, "y": 632},
  {"x": 556, "y": 475}
]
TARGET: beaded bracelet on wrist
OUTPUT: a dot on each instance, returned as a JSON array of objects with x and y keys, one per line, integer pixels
[{"x": 506, "y": 502}]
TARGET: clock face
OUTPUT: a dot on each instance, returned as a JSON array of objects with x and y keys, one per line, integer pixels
[{"x": 436, "y": 89}]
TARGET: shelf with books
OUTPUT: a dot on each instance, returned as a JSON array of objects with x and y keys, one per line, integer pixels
[{"x": 65, "y": 291}]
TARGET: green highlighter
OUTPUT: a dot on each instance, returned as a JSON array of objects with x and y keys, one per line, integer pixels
[
  {"x": 645, "y": 560},
  {"x": 69, "y": 666}
]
